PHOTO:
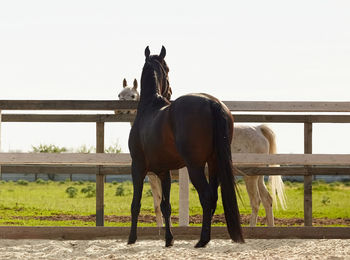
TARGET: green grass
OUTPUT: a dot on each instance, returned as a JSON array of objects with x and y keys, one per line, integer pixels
[{"x": 25, "y": 200}]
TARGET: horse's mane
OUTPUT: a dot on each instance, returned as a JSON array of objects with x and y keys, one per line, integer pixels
[{"x": 160, "y": 70}]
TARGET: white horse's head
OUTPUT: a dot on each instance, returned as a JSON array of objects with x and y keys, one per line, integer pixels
[{"x": 129, "y": 93}]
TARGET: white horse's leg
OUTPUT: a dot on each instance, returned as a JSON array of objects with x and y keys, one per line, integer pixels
[
  {"x": 251, "y": 183},
  {"x": 266, "y": 200},
  {"x": 156, "y": 187}
]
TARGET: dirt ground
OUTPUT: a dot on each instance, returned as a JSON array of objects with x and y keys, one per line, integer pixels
[
  {"x": 197, "y": 219},
  {"x": 183, "y": 249}
]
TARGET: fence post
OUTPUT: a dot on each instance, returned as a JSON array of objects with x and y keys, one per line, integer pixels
[
  {"x": 100, "y": 128},
  {"x": 0, "y": 144},
  {"x": 183, "y": 197},
  {"x": 308, "y": 178}
]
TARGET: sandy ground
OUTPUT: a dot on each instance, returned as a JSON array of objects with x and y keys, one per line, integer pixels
[{"x": 182, "y": 249}]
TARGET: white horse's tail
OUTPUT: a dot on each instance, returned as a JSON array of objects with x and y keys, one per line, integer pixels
[
  {"x": 270, "y": 136},
  {"x": 277, "y": 187},
  {"x": 276, "y": 183}
]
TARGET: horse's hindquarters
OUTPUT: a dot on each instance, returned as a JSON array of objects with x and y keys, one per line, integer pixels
[{"x": 192, "y": 120}]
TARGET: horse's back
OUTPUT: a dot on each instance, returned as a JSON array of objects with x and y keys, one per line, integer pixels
[
  {"x": 193, "y": 110},
  {"x": 249, "y": 139},
  {"x": 192, "y": 118}
]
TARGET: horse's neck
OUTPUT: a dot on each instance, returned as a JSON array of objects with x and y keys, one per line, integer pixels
[
  {"x": 149, "y": 92},
  {"x": 149, "y": 87}
]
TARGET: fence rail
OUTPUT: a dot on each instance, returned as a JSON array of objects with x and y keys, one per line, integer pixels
[
  {"x": 120, "y": 164},
  {"x": 87, "y": 233},
  {"x": 125, "y": 159},
  {"x": 126, "y": 169},
  {"x": 306, "y": 164},
  {"x": 247, "y": 106},
  {"x": 109, "y": 118}
]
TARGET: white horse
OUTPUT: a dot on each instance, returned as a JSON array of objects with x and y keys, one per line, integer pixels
[
  {"x": 259, "y": 139},
  {"x": 246, "y": 139}
]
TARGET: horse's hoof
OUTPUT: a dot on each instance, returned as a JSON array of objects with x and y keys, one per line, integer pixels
[
  {"x": 201, "y": 243},
  {"x": 131, "y": 240},
  {"x": 169, "y": 243}
]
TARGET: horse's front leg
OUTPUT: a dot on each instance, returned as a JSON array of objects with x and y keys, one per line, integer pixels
[
  {"x": 166, "y": 207},
  {"x": 138, "y": 176}
]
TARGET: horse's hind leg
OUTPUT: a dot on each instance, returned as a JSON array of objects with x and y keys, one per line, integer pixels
[
  {"x": 166, "y": 208},
  {"x": 138, "y": 176},
  {"x": 266, "y": 200},
  {"x": 206, "y": 198},
  {"x": 214, "y": 184},
  {"x": 251, "y": 183}
]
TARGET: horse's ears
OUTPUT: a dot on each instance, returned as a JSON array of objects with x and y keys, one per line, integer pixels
[
  {"x": 162, "y": 53},
  {"x": 135, "y": 84},
  {"x": 124, "y": 83},
  {"x": 147, "y": 52}
]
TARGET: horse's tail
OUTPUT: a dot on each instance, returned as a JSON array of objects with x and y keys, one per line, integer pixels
[
  {"x": 222, "y": 149},
  {"x": 270, "y": 136},
  {"x": 277, "y": 186}
]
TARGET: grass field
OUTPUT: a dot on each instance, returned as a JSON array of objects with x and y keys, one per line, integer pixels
[{"x": 21, "y": 201}]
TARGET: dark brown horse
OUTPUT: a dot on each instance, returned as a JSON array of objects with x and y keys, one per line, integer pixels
[{"x": 191, "y": 131}]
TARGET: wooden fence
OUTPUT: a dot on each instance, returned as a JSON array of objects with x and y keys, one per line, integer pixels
[{"x": 100, "y": 164}]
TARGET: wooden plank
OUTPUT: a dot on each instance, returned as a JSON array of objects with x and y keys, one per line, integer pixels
[
  {"x": 66, "y": 169},
  {"x": 67, "y": 105},
  {"x": 126, "y": 169},
  {"x": 184, "y": 204},
  {"x": 308, "y": 200},
  {"x": 264, "y": 106},
  {"x": 287, "y": 118},
  {"x": 100, "y": 178},
  {"x": 88, "y": 233},
  {"x": 100, "y": 181},
  {"x": 64, "y": 158},
  {"x": 100, "y": 137},
  {"x": 68, "y": 118},
  {"x": 296, "y": 232},
  {"x": 308, "y": 179},
  {"x": 239, "y": 118},
  {"x": 0, "y": 143},
  {"x": 308, "y": 138},
  {"x": 293, "y": 171},
  {"x": 283, "y": 106},
  {"x": 290, "y": 159},
  {"x": 249, "y": 159}
]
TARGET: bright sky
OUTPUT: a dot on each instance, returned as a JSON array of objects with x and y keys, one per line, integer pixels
[{"x": 234, "y": 50}]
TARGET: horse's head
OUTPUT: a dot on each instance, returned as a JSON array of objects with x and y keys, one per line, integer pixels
[
  {"x": 129, "y": 93},
  {"x": 160, "y": 70}
]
